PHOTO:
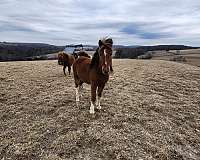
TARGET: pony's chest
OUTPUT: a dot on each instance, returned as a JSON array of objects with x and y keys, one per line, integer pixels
[{"x": 99, "y": 78}]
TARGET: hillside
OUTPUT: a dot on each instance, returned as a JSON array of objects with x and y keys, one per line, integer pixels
[
  {"x": 21, "y": 51},
  {"x": 150, "y": 110},
  {"x": 188, "y": 56},
  {"x": 141, "y": 50}
]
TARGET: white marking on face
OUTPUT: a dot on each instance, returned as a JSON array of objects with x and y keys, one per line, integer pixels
[
  {"x": 105, "y": 56},
  {"x": 104, "y": 52}
]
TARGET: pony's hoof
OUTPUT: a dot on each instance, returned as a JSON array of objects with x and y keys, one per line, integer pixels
[
  {"x": 77, "y": 99},
  {"x": 77, "y": 103},
  {"x": 99, "y": 107},
  {"x": 91, "y": 111}
]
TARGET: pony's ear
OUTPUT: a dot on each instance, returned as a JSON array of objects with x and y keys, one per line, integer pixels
[{"x": 100, "y": 43}]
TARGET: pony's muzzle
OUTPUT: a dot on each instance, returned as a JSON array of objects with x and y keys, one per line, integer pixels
[
  {"x": 105, "y": 70},
  {"x": 60, "y": 62}
]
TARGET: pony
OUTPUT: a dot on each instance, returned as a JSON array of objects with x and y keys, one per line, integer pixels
[
  {"x": 67, "y": 60},
  {"x": 94, "y": 71}
]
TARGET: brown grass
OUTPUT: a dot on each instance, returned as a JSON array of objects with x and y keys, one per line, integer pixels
[
  {"x": 191, "y": 56},
  {"x": 150, "y": 110}
]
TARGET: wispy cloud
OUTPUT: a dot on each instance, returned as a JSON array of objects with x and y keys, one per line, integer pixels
[
  {"x": 143, "y": 31},
  {"x": 142, "y": 22}
]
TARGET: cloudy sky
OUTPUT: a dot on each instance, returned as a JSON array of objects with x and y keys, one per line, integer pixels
[{"x": 128, "y": 22}]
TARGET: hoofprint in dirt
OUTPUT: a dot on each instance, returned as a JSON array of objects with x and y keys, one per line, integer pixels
[{"x": 150, "y": 110}]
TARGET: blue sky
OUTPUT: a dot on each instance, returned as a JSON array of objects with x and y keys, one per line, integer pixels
[{"x": 138, "y": 22}]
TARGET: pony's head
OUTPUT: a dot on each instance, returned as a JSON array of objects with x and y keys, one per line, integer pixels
[
  {"x": 60, "y": 58},
  {"x": 105, "y": 54}
]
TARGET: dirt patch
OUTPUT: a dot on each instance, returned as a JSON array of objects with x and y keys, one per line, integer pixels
[{"x": 150, "y": 110}]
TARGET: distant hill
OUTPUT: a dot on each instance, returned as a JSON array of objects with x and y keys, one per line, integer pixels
[
  {"x": 26, "y": 51},
  {"x": 114, "y": 46},
  {"x": 29, "y": 51},
  {"x": 127, "y": 52},
  {"x": 122, "y": 46},
  {"x": 21, "y": 51}
]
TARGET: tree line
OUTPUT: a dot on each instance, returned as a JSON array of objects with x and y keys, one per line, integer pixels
[{"x": 24, "y": 51}]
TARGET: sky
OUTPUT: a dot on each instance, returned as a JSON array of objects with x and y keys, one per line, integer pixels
[{"x": 128, "y": 22}]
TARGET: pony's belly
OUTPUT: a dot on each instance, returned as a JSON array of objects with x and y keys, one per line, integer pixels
[{"x": 85, "y": 80}]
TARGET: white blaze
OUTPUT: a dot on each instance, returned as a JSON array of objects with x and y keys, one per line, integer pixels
[{"x": 105, "y": 56}]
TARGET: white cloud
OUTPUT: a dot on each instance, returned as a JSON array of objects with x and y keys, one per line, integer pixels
[{"x": 141, "y": 22}]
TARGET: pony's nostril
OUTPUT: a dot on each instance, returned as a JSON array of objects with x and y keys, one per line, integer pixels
[{"x": 106, "y": 71}]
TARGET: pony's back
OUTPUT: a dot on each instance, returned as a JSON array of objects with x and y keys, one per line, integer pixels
[{"x": 84, "y": 54}]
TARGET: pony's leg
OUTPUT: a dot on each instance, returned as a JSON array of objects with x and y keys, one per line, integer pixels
[
  {"x": 64, "y": 67},
  {"x": 76, "y": 81},
  {"x": 80, "y": 87},
  {"x": 93, "y": 97},
  {"x": 69, "y": 69},
  {"x": 77, "y": 90},
  {"x": 77, "y": 94},
  {"x": 111, "y": 69},
  {"x": 99, "y": 92}
]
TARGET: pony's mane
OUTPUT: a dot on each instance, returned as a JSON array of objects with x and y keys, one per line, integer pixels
[
  {"x": 95, "y": 57},
  {"x": 107, "y": 40}
]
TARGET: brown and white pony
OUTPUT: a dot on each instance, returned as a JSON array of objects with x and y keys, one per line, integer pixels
[
  {"x": 94, "y": 71},
  {"x": 67, "y": 59}
]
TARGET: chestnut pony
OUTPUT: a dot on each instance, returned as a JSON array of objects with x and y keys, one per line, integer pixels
[
  {"x": 67, "y": 59},
  {"x": 94, "y": 71}
]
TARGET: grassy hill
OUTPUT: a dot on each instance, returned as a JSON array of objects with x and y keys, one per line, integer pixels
[
  {"x": 23, "y": 51},
  {"x": 141, "y": 50},
  {"x": 150, "y": 110},
  {"x": 188, "y": 56}
]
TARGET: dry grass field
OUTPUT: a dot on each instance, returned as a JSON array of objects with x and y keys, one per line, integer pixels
[
  {"x": 192, "y": 56},
  {"x": 150, "y": 110}
]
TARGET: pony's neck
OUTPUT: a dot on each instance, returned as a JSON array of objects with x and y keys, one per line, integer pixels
[
  {"x": 75, "y": 55},
  {"x": 95, "y": 59}
]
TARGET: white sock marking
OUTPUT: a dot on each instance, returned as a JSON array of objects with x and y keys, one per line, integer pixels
[
  {"x": 98, "y": 103},
  {"x": 91, "y": 108},
  {"x": 77, "y": 95},
  {"x": 80, "y": 89}
]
